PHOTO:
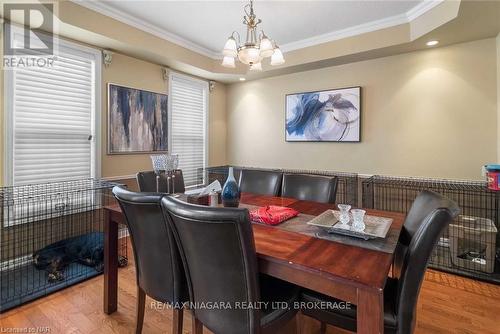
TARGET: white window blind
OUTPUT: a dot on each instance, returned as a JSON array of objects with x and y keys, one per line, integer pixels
[
  {"x": 188, "y": 121},
  {"x": 53, "y": 118}
]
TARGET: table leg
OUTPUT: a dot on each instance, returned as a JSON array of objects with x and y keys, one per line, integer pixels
[
  {"x": 110, "y": 265},
  {"x": 370, "y": 311}
]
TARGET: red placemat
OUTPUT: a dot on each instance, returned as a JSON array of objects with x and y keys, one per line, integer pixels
[{"x": 272, "y": 214}]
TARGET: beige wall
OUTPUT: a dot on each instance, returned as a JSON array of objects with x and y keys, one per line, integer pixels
[
  {"x": 127, "y": 71},
  {"x": 136, "y": 73},
  {"x": 428, "y": 113},
  {"x": 498, "y": 98},
  {"x": 133, "y": 72},
  {"x": 2, "y": 101},
  {"x": 217, "y": 126},
  {"x": 409, "y": 102}
]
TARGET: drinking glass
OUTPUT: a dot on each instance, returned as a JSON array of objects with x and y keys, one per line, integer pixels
[
  {"x": 158, "y": 165},
  {"x": 344, "y": 213},
  {"x": 175, "y": 158},
  {"x": 169, "y": 163},
  {"x": 358, "y": 219}
]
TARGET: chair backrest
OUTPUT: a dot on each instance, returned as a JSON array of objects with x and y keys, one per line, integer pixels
[
  {"x": 218, "y": 252},
  {"x": 430, "y": 214},
  {"x": 423, "y": 204},
  {"x": 306, "y": 187},
  {"x": 147, "y": 182},
  {"x": 260, "y": 182},
  {"x": 158, "y": 264}
]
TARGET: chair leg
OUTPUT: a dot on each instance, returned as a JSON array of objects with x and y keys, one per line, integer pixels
[
  {"x": 141, "y": 303},
  {"x": 196, "y": 325},
  {"x": 298, "y": 322},
  {"x": 177, "y": 321},
  {"x": 322, "y": 329}
]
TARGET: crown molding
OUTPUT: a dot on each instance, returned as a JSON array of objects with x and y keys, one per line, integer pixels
[
  {"x": 422, "y": 8},
  {"x": 345, "y": 33},
  {"x": 360, "y": 29},
  {"x": 412, "y": 14},
  {"x": 103, "y": 8}
]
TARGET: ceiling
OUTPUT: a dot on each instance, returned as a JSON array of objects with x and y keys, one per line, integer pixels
[
  {"x": 203, "y": 26},
  {"x": 187, "y": 36}
]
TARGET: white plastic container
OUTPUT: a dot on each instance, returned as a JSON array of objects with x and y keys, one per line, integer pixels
[{"x": 469, "y": 236}]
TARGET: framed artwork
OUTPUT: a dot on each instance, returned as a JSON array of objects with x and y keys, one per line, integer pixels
[
  {"x": 137, "y": 120},
  {"x": 324, "y": 116}
]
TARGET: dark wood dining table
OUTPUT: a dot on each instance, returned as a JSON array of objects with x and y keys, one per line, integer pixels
[{"x": 347, "y": 272}]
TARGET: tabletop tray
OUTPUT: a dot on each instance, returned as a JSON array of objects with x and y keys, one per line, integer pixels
[{"x": 375, "y": 227}]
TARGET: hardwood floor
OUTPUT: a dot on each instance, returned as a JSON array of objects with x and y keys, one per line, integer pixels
[{"x": 448, "y": 304}]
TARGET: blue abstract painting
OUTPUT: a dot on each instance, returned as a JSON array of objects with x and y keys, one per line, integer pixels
[
  {"x": 332, "y": 115},
  {"x": 138, "y": 121}
]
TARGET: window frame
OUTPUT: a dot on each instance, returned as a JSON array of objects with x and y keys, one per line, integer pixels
[
  {"x": 206, "y": 91},
  {"x": 96, "y": 114}
]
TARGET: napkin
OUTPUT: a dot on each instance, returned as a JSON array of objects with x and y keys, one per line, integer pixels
[
  {"x": 272, "y": 214},
  {"x": 215, "y": 186}
]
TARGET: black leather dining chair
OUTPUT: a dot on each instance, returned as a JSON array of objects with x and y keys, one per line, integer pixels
[
  {"x": 260, "y": 182},
  {"x": 424, "y": 202},
  {"x": 305, "y": 187},
  {"x": 218, "y": 252},
  {"x": 147, "y": 182},
  {"x": 158, "y": 266},
  {"x": 430, "y": 215}
]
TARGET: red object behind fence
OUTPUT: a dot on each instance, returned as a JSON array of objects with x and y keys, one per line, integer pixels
[{"x": 493, "y": 180}]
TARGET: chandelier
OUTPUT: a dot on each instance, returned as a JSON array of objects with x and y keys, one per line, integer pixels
[{"x": 254, "y": 50}]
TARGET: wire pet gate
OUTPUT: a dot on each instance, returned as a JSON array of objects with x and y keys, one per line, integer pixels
[
  {"x": 51, "y": 237},
  {"x": 470, "y": 246}
]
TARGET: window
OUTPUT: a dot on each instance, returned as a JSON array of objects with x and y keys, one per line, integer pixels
[
  {"x": 52, "y": 116},
  {"x": 188, "y": 123}
]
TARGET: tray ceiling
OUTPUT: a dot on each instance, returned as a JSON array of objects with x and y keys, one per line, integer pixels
[{"x": 203, "y": 26}]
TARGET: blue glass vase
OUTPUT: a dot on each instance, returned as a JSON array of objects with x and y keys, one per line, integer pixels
[{"x": 231, "y": 191}]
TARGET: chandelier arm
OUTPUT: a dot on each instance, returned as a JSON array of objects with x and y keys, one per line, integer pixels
[
  {"x": 246, "y": 8},
  {"x": 263, "y": 35},
  {"x": 235, "y": 33}
]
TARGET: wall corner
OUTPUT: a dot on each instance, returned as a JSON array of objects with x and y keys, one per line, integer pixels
[{"x": 498, "y": 97}]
